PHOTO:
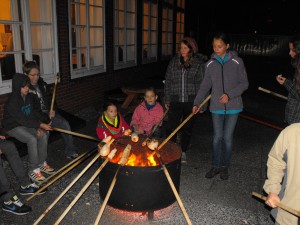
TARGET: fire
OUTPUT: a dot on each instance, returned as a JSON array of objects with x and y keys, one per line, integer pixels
[{"x": 141, "y": 158}]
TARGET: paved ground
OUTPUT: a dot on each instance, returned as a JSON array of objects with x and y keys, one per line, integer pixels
[{"x": 206, "y": 201}]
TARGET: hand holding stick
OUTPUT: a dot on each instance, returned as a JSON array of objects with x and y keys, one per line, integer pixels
[
  {"x": 123, "y": 161},
  {"x": 109, "y": 157},
  {"x": 280, "y": 205},
  {"x": 155, "y": 127}
]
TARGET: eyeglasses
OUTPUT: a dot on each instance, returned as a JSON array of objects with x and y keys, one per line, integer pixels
[{"x": 33, "y": 75}]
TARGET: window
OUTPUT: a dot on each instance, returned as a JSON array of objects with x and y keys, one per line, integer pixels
[
  {"x": 124, "y": 33},
  {"x": 167, "y": 29},
  {"x": 180, "y": 21},
  {"x": 86, "y": 21},
  {"x": 27, "y": 32},
  {"x": 149, "y": 31}
]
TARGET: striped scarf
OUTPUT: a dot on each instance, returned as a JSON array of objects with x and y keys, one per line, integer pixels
[{"x": 113, "y": 126}]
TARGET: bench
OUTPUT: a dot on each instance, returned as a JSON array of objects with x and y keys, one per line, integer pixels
[{"x": 75, "y": 122}]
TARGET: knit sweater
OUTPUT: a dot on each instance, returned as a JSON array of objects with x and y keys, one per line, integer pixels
[
  {"x": 288, "y": 142},
  {"x": 292, "y": 108},
  {"x": 144, "y": 119},
  {"x": 106, "y": 128}
]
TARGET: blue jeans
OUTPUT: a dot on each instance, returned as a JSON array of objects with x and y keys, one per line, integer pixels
[
  {"x": 9, "y": 150},
  {"x": 60, "y": 122},
  {"x": 223, "y": 137},
  {"x": 37, "y": 146}
]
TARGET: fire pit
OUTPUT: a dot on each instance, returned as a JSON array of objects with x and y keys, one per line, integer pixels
[{"x": 141, "y": 184}]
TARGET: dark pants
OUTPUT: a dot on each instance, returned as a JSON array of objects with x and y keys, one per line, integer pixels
[
  {"x": 12, "y": 156},
  {"x": 179, "y": 112},
  {"x": 60, "y": 122}
]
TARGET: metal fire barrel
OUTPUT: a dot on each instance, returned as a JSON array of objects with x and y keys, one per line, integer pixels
[{"x": 142, "y": 188}]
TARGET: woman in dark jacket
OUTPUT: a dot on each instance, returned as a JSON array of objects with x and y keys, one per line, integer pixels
[{"x": 182, "y": 81}]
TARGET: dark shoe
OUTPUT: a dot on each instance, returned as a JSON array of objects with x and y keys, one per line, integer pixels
[
  {"x": 31, "y": 189},
  {"x": 15, "y": 206},
  {"x": 72, "y": 156},
  {"x": 224, "y": 173},
  {"x": 213, "y": 172}
]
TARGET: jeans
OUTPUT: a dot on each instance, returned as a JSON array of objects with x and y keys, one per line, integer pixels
[
  {"x": 60, "y": 122},
  {"x": 37, "y": 146},
  {"x": 9, "y": 150},
  {"x": 223, "y": 126},
  {"x": 178, "y": 112}
]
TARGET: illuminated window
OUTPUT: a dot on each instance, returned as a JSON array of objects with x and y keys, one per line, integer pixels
[
  {"x": 27, "y": 32},
  {"x": 180, "y": 21},
  {"x": 167, "y": 29},
  {"x": 86, "y": 21},
  {"x": 149, "y": 31},
  {"x": 124, "y": 33}
]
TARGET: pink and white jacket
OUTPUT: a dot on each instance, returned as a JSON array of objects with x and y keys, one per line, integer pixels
[{"x": 144, "y": 119}]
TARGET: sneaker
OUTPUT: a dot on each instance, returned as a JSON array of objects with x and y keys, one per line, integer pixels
[
  {"x": 72, "y": 156},
  {"x": 31, "y": 189},
  {"x": 213, "y": 172},
  {"x": 37, "y": 176},
  {"x": 224, "y": 173},
  {"x": 183, "y": 157},
  {"x": 15, "y": 206},
  {"x": 45, "y": 168}
]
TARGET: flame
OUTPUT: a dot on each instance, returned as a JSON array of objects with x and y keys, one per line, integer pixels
[{"x": 142, "y": 158}]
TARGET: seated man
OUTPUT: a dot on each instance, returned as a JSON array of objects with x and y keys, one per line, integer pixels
[
  {"x": 39, "y": 89},
  {"x": 11, "y": 202}
]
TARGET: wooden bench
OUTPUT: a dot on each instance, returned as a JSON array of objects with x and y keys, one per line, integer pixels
[{"x": 132, "y": 94}]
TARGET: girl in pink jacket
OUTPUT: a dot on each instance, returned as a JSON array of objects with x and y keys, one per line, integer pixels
[{"x": 147, "y": 114}]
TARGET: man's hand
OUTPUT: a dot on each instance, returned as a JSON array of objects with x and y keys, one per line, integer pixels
[
  {"x": 280, "y": 79},
  {"x": 46, "y": 126},
  {"x": 272, "y": 200}
]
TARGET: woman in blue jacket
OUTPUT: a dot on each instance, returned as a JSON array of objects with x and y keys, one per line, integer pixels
[{"x": 226, "y": 77}]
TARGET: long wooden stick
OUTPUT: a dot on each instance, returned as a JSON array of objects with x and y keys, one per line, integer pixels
[
  {"x": 272, "y": 93},
  {"x": 123, "y": 161},
  {"x": 64, "y": 167},
  {"x": 173, "y": 188},
  {"x": 76, "y": 134},
  {"x": 83, "y": 190},
  {"x": 60, "y": 175},
  {"x": 67, "y": 188},
  {"x": 155, "y": 127},
  {"x": 183, "y": 122},
  {"x": 280, "y": 205},
  {"x": 54, "y": 92}
]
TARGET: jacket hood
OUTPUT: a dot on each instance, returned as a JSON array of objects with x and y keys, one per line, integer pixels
[{"x": 19, "y": 80}]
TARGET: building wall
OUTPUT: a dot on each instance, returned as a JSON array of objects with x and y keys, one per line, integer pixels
[{"x": 75, "y": 94}]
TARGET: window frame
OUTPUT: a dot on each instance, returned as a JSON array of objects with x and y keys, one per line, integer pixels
[
  {"x": 88, "y": 69},
  {"x": 125, "y": 63},
  {"x": 169, "y": 6},
  {"x": 25, "y": 23}
]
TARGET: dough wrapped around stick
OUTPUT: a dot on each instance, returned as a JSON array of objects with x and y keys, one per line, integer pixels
[
  {"x": 125, "y": 155},
  {"x": 112, "y": 154},
  {"x": 152, "y": 144},
  {"x": 104, "y": 151},
  {"x": 134, "y": 137}
]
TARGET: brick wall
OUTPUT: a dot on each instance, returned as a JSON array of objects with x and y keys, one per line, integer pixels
[{"x": 76, "y": 94}]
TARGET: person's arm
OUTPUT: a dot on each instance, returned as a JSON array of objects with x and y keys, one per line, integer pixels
[
  {"x": 276, "y": 168},
  {"x": 168, "y": 83},
  {"x": 290, "y": 86}
]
